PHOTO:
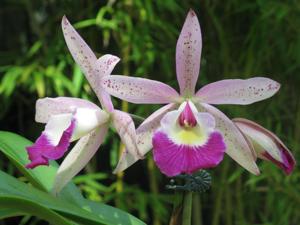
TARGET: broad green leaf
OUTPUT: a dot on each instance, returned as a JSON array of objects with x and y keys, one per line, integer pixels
[
  {"x": 29, "y": 207},
  {"x": 9, "y": 212},
  {"x": 90, "y": 213}
]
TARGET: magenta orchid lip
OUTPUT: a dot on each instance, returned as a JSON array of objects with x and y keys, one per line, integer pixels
[{"x": 187, "y": 141}]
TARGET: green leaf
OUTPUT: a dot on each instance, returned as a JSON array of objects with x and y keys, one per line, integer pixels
[
  {"x": 28, "y": 207},
  {"x": 90, "y": 213},
  {"x": 9, "y": 212},
  {"x": 13, "y": 146}
]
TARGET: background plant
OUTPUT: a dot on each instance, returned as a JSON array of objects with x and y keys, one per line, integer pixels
[{"x": 240, "y": 38}]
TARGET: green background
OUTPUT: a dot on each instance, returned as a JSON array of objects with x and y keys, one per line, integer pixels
[{"x": 241, "y": 39}]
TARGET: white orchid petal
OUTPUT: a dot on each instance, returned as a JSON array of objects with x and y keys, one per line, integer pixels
[
  {"x": 47, "y": 107},
  {"x": 188, "y": 54},
  {"x": 126, "y": 130},
  {"x": 237, "y": 91},
  {"x": 78, "y": 157},
  {"x": 139, "y": 90}
]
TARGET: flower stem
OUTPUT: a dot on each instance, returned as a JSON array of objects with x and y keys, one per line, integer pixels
[{"x": 187, "y": 208}]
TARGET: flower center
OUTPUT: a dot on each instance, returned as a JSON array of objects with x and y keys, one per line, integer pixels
[{"x": 186, "y": 118}]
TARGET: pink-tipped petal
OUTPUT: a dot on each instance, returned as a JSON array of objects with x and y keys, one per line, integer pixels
[
  {"x": 173, "y": 159},
  {"x": 188, "y": 54},
  {"x": 126, "y": 130},
  {"x": 47, "y": 107},
  {"x": 52, "y": 144},
  {"x": 267, "y": 145},
  {"x": 237, "y": 146},
  {"x": 144, "y": 137},
  {"x": 139, "y": 90},
  {"x": 79, "y": 157},
  {"x": 237, "y": 91}
]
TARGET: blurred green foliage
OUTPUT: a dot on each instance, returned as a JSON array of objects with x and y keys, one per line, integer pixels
[{"x": 240, "y": 39}]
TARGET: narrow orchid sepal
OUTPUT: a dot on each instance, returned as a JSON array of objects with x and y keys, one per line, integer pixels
[
  {"x": 238, "y": 91},
  {"x": 139, "y": 90},
  {"x": 188, "y": 54},
  {"x": 78, "y": 157},
  {"x": 126, "y": 130},
  {"x": 94, "y": 69},
  {"x": 267, "y": 145}
]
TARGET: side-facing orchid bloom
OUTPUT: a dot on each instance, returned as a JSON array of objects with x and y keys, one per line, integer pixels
[
  {"x": 233, "y": 91},
  {"x": 70, "y": 119},
  {"x": 267, "y": 145}
]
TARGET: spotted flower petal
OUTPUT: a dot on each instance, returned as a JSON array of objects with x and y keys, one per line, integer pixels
[
  {"x": 139, "y": 90},
  {"x": 94, "y": 69},
  {"x": 188, "y": 54},
  {"x": 185, "y": 148},
  {"x": 237, "y": 91},
  {"x": 60, "y": 130},
  {"x": 267, "y": 145}
]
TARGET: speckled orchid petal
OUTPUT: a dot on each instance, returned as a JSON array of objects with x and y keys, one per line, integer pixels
[
  {"x": 94, "y": 69},
  {"x": 237, "y": 146},
  {"x": 267, "y": 145},
  {"x": 103, "y": 67},
  {"x": 47, "y": 107},
  {"x": 185, "y": 148},
  {"x": 188, "y": 54},
  {"x": 80, "y": 51},
  {"x": 237, "y": 91},
  {"x": 79, "y": 157},
  {"x": 60, "y": 130},
  {"x": 139, "y": 90},
  {"x": 144, "y": 137},
  {"x": 126, "y": 130}
]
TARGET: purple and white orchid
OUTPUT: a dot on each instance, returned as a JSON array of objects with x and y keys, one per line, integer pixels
[
  {"x": 204, "y": 130},
  {"x": 70, "y": 119}
]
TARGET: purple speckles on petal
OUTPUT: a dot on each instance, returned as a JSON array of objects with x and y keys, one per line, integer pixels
[
  {"x": 173, "y": 159},
  {"x": 188, "y": 54},
  {"x": 43, "y": 150}
]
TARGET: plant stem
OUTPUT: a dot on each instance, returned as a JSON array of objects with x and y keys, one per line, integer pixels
[{"x": 187, "y": 208}]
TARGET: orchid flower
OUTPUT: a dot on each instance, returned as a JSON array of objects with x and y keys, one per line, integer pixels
[
  {"x": 267, "y": 145},
  {"x": 232, "y": 91},
  {"x": 70, "y": 119}
]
